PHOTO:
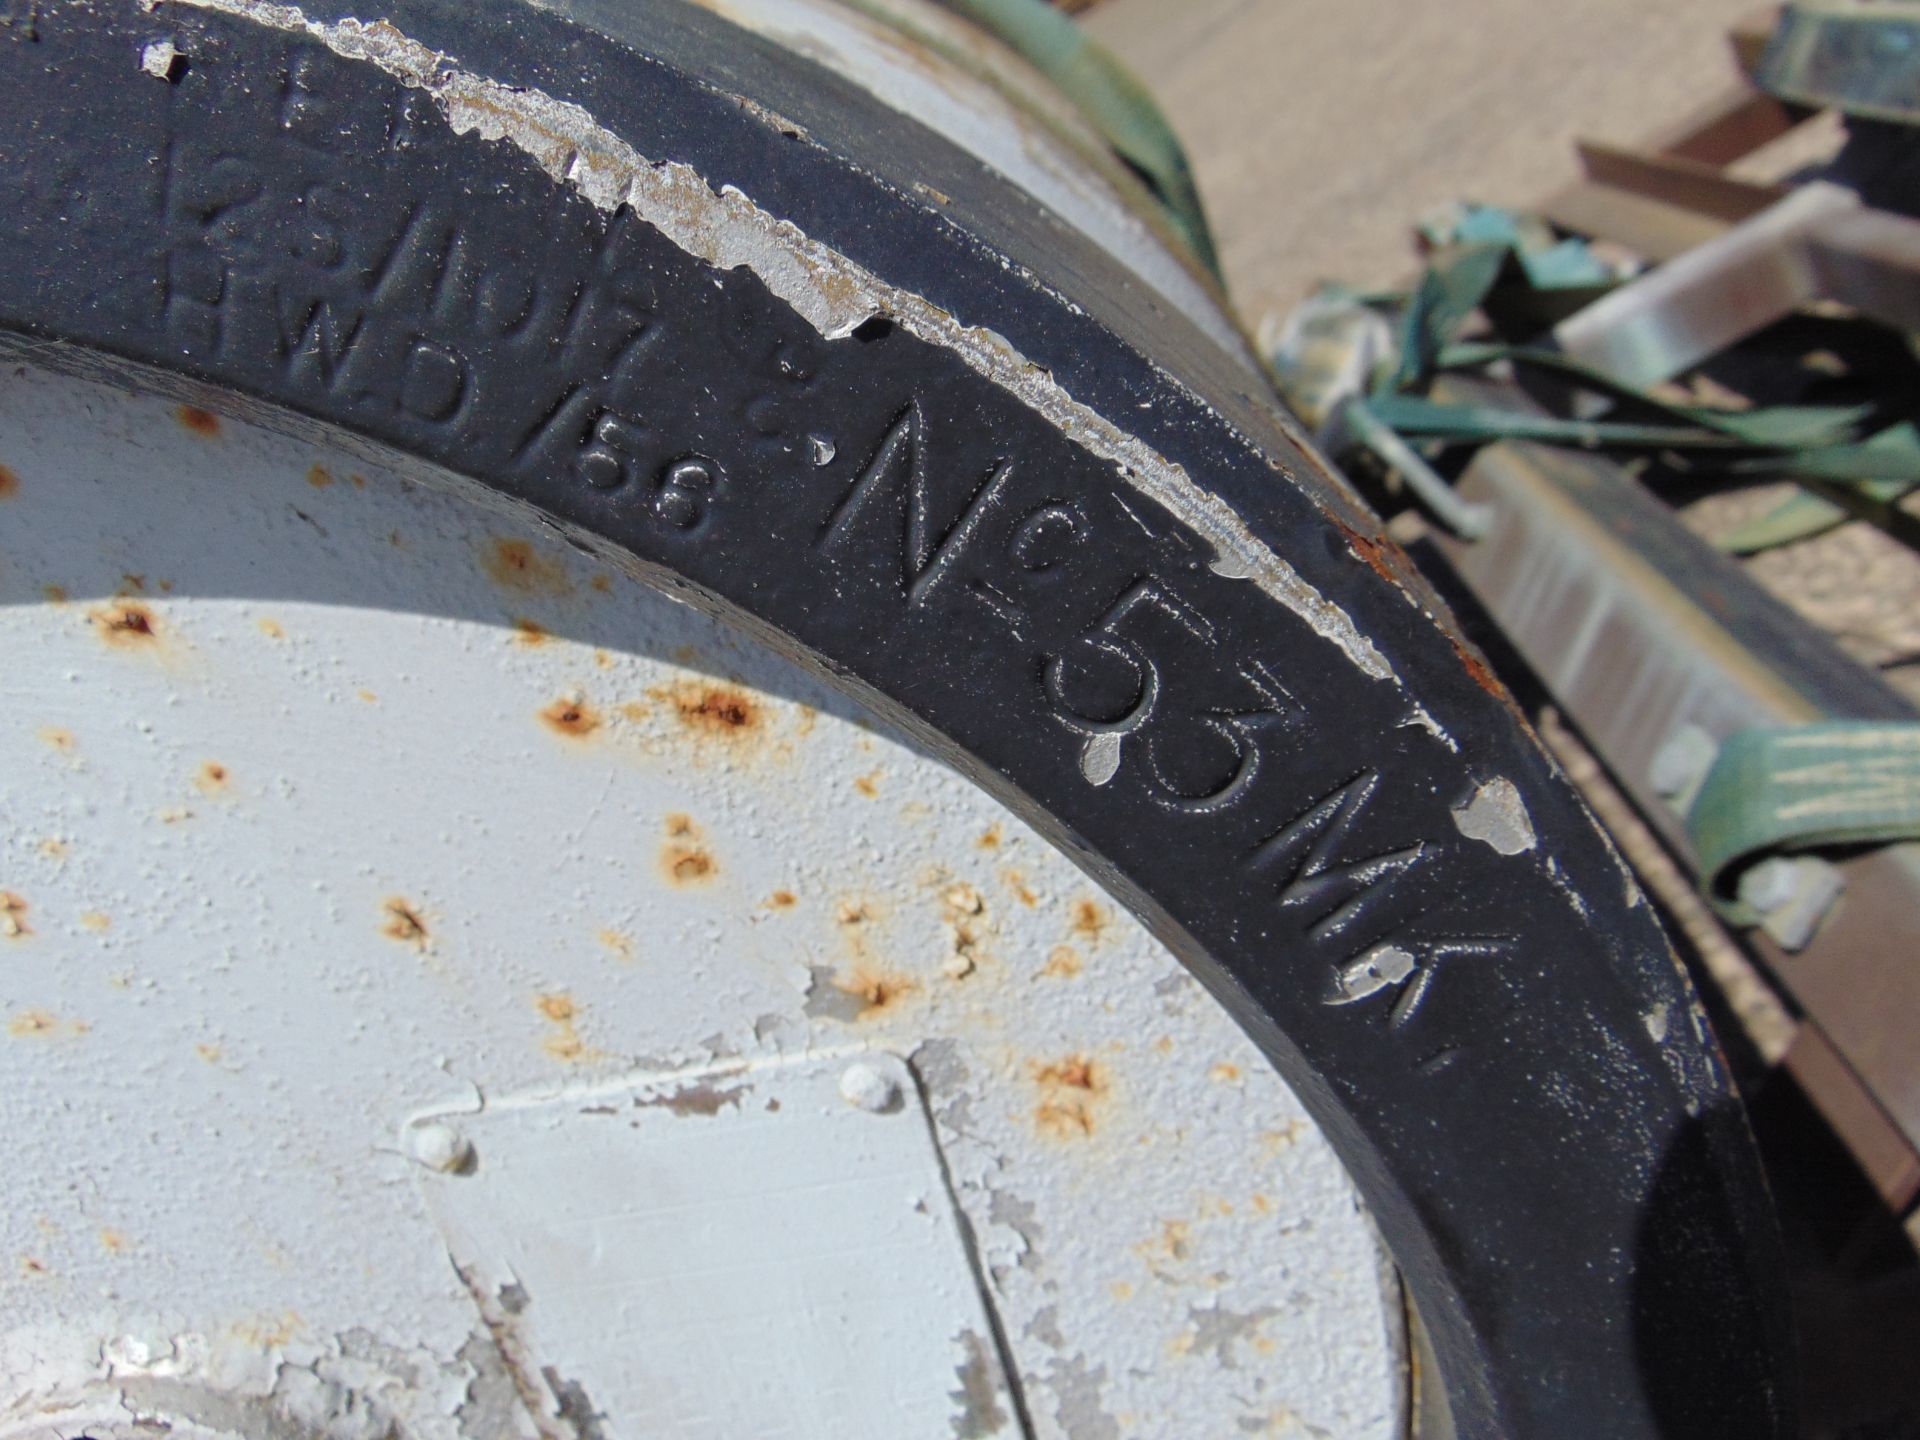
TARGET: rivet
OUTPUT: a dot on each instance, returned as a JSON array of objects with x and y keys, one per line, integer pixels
[
  {"x": 865, "y": 1088},
  {"x": 442, "y": 1148}
]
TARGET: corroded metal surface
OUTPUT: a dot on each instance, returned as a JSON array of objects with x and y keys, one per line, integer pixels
[
  {"x": 679, "y": 292},
  {"x": 333, "y": 801}
]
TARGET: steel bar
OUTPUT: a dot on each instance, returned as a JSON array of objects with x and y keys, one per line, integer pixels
[{"x": 1643, "y": 634}]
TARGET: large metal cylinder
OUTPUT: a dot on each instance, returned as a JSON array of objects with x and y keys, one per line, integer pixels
[{"x": 689, "y": 752}]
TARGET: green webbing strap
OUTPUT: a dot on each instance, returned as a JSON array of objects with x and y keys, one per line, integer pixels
[
  {"x": 1112, "y": 99},
  {"x": 1804, "y": 787}
]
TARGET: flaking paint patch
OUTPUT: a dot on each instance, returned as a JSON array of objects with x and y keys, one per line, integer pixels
[
  {"x": 1497, "y": 816},
  {"x": 836, "y": 296}
]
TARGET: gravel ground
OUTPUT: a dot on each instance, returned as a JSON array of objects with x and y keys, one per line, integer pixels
[{"x": 1322, "y": 129}]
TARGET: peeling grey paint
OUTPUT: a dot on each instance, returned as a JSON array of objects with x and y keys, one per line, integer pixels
[
  {"x": 492, "y": 1405},
  {"x": 1497, "y": 816},
  {"x": 826, "y": 1000},
  {"x": 1079, "y": 1407},
  {"x": 1217, "y": 1330},
  {"x": 978, "y": 1412},
  {"x": 572, "y": 1406},
  {"x": 705, "y": 1097}
]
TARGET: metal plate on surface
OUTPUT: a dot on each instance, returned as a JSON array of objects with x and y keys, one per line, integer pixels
[{"x": 747, "y": 1251}]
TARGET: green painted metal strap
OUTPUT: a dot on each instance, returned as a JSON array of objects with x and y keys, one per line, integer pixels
[
  {"x": 1804, "y": 787},
  {"x": 1113, "y": 100}
]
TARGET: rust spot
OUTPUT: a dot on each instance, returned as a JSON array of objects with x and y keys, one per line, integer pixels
[
  {"x": 319, "y": 477},
  {"x": 112, "y": 1241},
  {"x": 357, "y": 480},
  {"x": 193, "y": 419},
  {"x": 1089, "y": 920},
  {"x": 212, "y": 778},
  {"x": 963, "y": 906},
  {"x": 852, "y": 912},
  {"x": 33, "y": 1022},
  {"x": 55, "y": 594},
  {"x": 54, "y": 848},
  {"x": 1174, "y": 1242},
  {"x": 687, "y": 864},
  {"x": 13, "y": 917},
  {"x": 635, "y": 711},
  {"x": 32, "y": 1267},
  {"x": 619, "y": 943},
  {"x": 132, "y": 584},
  {"x": 571, "y": 716},
  {"x": 782, "y": 900},
  {"x": 271, "y": 629},
  {"x": 270, "y": 1332},
  {"x": 1373, "y": 552},
  {"x": 366, "y": 697},
  {"x": 707, "y": 707},
  {"x": 1017, "y": 883},
  {"x": 1070, "y": 1089},
  {"x": 964, "y": 899},
  {"x": 878, "y": 993},
  {"x": 516, "y": 565},
  {"x": 1274, "y": 1141},
  {"x": 1063, "y": 962},
  {"x": 563, "y": 1042},
  {"x": 989, "y": 838},
  {"x": 405, "y": 922},
  {"x": 95, "y": 921},
  {"x": 9, "y": 483},
  {"x": 59, "y": 739},
  {"x": 868, "y": 785},
  {"x": 126, "y": 622},
  {"x": 1477, "y": 670},
  {"x": 603, "y": 583},
  {"x": 529, "y": 632},
  {"x": 1076, "y": 1072},
  {"x": 1224, "y": 1074},
  {"x": 679, "y": 826},
  {"x": 212, "y": 1054}
]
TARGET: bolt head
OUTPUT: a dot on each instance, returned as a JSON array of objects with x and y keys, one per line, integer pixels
[
  {"x": 865, "y": 1088},
  {"x": 441, "y": 1148}
]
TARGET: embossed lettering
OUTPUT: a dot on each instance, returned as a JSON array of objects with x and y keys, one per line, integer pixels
[
  {"x": 1175, "y": 784},
  {"x": 1116, "y": 698},
  {"x": 1404, "y": 970},
  {"x": 318, "y": 342},
  {"x": 895, "y": 482},
  {"x": 1335, "y": 890}
]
